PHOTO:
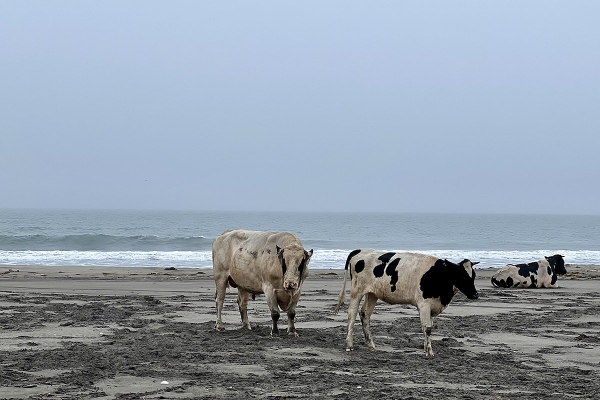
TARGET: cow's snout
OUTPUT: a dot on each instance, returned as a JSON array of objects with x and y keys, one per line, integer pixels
[{"x": 290, "y": 285}]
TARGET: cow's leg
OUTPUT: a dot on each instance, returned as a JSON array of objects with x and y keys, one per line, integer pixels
[
  {"x": 365, "y": 318},
  {"x": 427, "y": 326},
  {"x": 291, "y": 313},
  {"x": 221, "y": 283},
  {"x": 355, "y": 298},
  {"x": 243, "y": 306},
  {"x": 272, "y": 303}
]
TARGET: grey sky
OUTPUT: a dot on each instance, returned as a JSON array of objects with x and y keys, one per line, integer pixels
[{"x": 459, "y": 106}]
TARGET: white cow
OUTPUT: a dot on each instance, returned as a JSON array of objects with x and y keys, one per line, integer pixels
[
  {"x": 424, "y": 281},
  {"x": 254, "y": 262}
]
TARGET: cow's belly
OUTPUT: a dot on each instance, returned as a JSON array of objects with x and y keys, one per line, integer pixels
[
  {"x": 402, "y": 292},
  {"x": 249, "y": 284},
  {"x": 249, "y": 280},
  {"x": 396, "y": 297}
]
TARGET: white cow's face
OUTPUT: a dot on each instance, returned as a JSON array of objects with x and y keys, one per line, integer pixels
[{"x": 294, "y": 263}]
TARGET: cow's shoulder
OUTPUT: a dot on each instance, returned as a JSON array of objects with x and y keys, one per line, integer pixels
[{"x": 436, "y": 282}]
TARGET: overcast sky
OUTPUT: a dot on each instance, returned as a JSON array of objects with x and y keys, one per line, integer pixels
[{"x": 449, "y": 106}]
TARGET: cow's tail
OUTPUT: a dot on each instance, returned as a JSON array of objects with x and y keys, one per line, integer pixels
[{"x": 343, "y": 291}]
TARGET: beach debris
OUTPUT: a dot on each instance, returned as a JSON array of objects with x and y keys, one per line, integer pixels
[
  {"x": 9, "y": 271},
  {"x": 327, "y": 274},
  {"x": 170, "y": 269},
  {"x": 164, "y": 383}
]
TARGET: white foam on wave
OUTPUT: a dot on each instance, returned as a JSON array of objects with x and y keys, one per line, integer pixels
[
  {"x": 327, "y": 259},
  {"x": 190, "y": 259},
  {"x": 488, "y": 258}
]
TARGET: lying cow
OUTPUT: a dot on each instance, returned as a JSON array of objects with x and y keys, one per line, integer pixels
[
  {"x": 273, "y": 263},
  {"x": 537, "y": 274},
  {"x": 424, "y": 281}
]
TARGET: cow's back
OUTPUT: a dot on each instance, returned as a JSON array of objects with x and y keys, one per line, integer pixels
[
  {"x": 230, "y": 243},
  {"x": 250, "y": 256},
  {"x": 394, "y": 277},
  {"x": 231, "y": 240}
]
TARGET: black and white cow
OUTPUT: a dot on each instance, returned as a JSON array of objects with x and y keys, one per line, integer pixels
[
  {"x": 537, "y": 274},
  {"x": 427, "y": 282}
]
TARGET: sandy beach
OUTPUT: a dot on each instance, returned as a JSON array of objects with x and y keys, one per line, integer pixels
[{"x": 148, "y": 333}]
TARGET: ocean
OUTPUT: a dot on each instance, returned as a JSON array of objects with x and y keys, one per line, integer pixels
[{"x": 183, "y": 238}]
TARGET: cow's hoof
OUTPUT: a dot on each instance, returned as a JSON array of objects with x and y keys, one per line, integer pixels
[
  {"x": 219, "y": 328},
  {"x": 349, "y": 348},
  {"x": 274, "y": 333},
  {"x": 371, "y": 348},
  {"x": 294, "y": 334},
  {"x": 248, "y": 327}
]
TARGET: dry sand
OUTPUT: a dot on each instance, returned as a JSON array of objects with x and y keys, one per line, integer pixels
[{"x": 147, "y": 333}]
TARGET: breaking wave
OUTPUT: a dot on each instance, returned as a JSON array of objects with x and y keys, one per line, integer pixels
[{"x": 325, "y": 259}]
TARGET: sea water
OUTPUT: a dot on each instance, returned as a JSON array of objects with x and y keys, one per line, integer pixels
[{"x": 184, "y": 238}]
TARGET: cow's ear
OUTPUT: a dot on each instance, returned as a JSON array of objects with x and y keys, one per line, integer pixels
[
  {"x": 308, "y": 254},
  {"x": 474, "y": 262},
  {"x": 278, "y": 249}
]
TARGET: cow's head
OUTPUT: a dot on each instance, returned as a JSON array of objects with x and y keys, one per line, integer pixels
[
  {"x": 465, "y": 279},
  {"x": 294, "y": 265},
  {"x": 557, "y": 263}
]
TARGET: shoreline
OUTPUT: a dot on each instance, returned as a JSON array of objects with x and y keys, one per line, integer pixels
[{"x": 574, "y": 271}]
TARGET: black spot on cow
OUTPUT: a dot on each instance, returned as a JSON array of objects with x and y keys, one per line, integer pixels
[
  {"x": 509, "y": 282},
  {"x": 359, "y": 266},
  {"x": 443, "y": 277},
  {"x": 385, "y": 258},
  {"x": 498, "y": 283},
  {"x": 533, "y": 281},
  {"x": 554, "y": 279},
  {"x": 283, "y": 265},
  {"x": 352, "y": 254},
  {"x": 268, "y": 251},
  {"x": 301, "y": 267},
  {"x": 436, "y": 282},
  {"x": 231, "y": 282},
  {"x": 527, "y": 269},
  {"x": 549, "y": 270},
  {"x": 378, "y": 270},
  {"x": 393, "y": 273}
]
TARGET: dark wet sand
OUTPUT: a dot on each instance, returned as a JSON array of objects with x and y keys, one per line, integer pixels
[{"x": 147, "y": 333}]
